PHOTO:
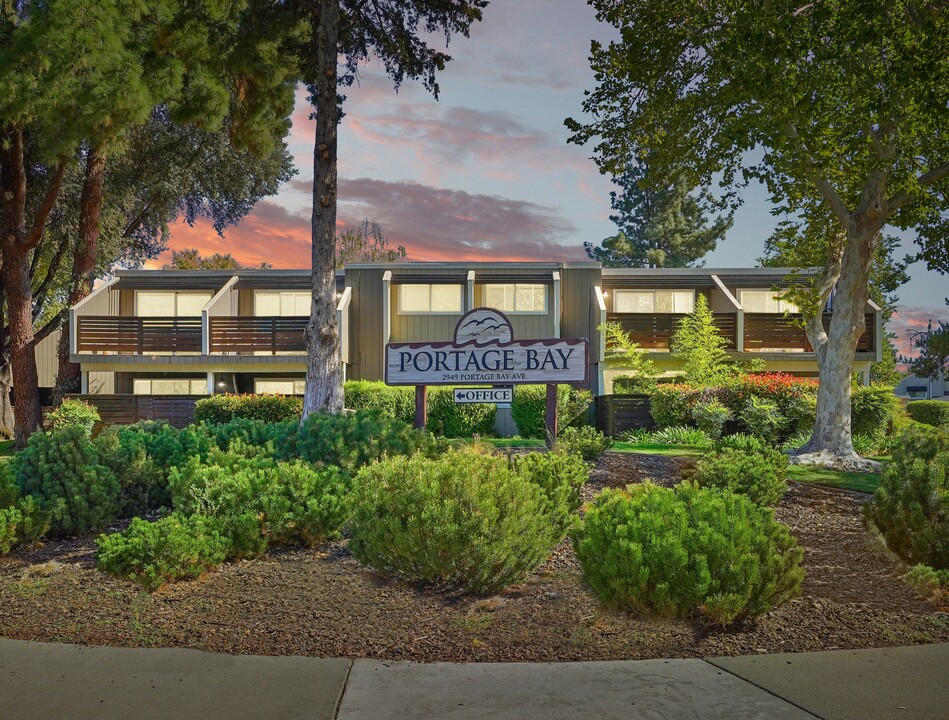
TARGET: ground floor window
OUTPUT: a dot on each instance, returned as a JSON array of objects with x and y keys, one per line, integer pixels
[
  {"x": 170, "y": 386},
  {"x": 279, "y": 386}
]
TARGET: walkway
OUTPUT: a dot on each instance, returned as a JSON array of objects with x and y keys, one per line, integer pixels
[{"x": 41, "y": 681}]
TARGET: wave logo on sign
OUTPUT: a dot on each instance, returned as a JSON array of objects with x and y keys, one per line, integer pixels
[{"x": 483, "y": 326}]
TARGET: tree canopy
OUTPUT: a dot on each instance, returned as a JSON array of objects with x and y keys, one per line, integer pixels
[
  {"x": 933, "y": 346},
  {"x": 365, "y": 243}
]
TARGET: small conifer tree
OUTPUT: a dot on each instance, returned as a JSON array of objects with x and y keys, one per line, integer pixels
[{"x": 701, "y": 348}]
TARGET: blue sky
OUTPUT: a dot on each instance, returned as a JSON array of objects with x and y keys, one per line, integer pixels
[{"x": 486, "y": 172}]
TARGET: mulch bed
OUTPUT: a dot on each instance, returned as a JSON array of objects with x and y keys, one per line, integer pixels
[{"x": 324, "y": 603}]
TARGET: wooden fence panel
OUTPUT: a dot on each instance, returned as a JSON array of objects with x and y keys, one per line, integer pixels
[
  {"x": 616, "y": 414},
  {"x": 178, "y": 410}
]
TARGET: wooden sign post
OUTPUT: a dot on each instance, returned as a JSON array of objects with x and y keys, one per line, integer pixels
[{"x": 484, "y": 351}]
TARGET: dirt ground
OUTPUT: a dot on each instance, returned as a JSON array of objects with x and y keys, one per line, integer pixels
[{"x": 324, "y": 603}]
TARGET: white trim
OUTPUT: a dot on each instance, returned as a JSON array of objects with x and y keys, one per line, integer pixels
[
  {"x": 739, "y": 314},
  {"x": 210, "y": 383},
  {"x": 601, "y": 340},
  {"x": 471, "y": 293},
  {"x": 386, "y": 308},
  {"x": 205, "y": 321},
  {"x": 74, "y": 315},
  {"x": 556, "y": 302},
  {"x": 342, "y": 322}
]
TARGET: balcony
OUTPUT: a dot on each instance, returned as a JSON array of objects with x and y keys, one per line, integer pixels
[
  {"x": 108, "y": 335},
  {"x": 655, "y": 331},
  {"x": 242, "y": 335},
  {"x": 767, "y": 332}
]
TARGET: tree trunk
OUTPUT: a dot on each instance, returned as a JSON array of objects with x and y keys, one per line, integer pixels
[
  {"x": 831, "y": 442},
  {"x": 324, "y": 380},
  {"x": 68, "y": 376},
  {"x": 27, "y": 413}
]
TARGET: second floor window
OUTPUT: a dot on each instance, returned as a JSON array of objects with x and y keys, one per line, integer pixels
[
  {"x": 170, "y": 304},
  {"x": 653, "y": 301},
  {"x": 517, "y": 297},
  {"x": 283, "y": 303},
  {"x": 414, "y": 299},
  {"x": 765, "y": 301}
]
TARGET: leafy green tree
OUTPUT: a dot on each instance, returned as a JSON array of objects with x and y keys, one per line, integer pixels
[
  {"x": 841, "y": 100},
  {"x": 365, "y": 243},
  {"x": 701, "y": 348},
  {"x": 664, "y": 226},
  {"x": 624, "y": 354},
  {"x": 803, "y": 243},
  {"x": 192, "y": 259},
  {"x": 398, "y": 33}
]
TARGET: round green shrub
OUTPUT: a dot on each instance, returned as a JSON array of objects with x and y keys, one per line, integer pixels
[
  {"x": 269, "y": 408},
  {"x": 743, "y": 442},
  {"x": 467, "y": 521},
  {"x": 683, "y": 551},
  {"x": 763, "y": 418},
  {"x": 529, "y": 408},
  {"x": 910, "y": 507},
  {"x": 352, "y": 440},
  {"x": 761, "y": 474},
  {"x": 561, "y": 477},
  {"x": 74, "y": 412},
  {"x": 872, "y": 409},
  {"x": 61, "y": 470},
  {"x": 586, "y": 441},
  {"x": 929, "y": 412},
  {"x": 154, "y": 553},
  {"x": 396, "y": 403},
  {"x": 710, "y": 417},
  {"x": 671, "y": 405}
]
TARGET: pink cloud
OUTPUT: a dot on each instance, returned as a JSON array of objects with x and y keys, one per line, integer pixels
[{"x": 909, "y": 320}]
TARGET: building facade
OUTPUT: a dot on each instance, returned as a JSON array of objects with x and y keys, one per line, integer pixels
[{"x": 199, "y": 332}]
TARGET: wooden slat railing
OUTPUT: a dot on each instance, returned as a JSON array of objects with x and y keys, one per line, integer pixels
[
  {"x": 771, "y": 331},
  {"x": 138, "y": 335},
  {"x": 654, "y": 331},
  {"x": 257, "y": 334}
]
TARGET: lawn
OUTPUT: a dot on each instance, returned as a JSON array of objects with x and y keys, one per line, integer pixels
[{"x": 861, "y": 482}]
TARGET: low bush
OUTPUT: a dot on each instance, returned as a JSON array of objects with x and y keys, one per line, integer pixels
[
  {"x": 154, "y": 553},
  {"x": 10, "y": 519},
  {"x": 351, "y": 441},
  {"x": 586, "y": 441},
  {"x": 561, "y": 478},
  {"x": 761, "y": 475},
  {"x": 683, "y": 551},
  {"x": 457, "y": 420},
  {"x": 929, "y": 412},
  {"x": 269, "y": 408},
  {"x": 932, "y": 584},
  {"x": 763, "y": 418},
  {"x": 682, "y": 436},
  {"x": 61, "y": 470},
  {"x": 743, "y": 443},
  {"x": 250, "y": 432},
  {"x": 671, "y": 405},
  {"x": 21, "y": 520},
  {"x": 872, "y": 410},
  {"x": 396, "y": 403},
  {"x": 468, "y": 521},
  {"x": 910, "y": 507},
  {"x": 710, "y": 417},
  {"x": 74, "y": 412},
  {"x": 529, "y": 408}
]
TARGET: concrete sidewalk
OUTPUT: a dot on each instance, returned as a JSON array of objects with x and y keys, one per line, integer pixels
[{"x": 39, "y": 680}]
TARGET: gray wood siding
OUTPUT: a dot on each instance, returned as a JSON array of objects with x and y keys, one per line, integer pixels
[
  {"x": 365, "y": 324},
  {"x": 581, "y": 316}
]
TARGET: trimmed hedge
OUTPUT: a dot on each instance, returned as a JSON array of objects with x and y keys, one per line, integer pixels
[
  {"x": 929, "y": 412},
  {"x": 529, "y": 408},
  {"x": 687, "y": 550},
  {"x": 269, "y": 408}
]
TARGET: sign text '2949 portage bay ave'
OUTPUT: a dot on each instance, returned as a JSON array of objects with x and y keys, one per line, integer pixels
[{"x": 484, "y": 351}]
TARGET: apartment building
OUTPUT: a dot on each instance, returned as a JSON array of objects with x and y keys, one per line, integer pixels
[{"x": 175, "y": 333}]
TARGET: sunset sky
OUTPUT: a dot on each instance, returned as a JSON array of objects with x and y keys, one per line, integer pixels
[{"x": 486, "y": 172}]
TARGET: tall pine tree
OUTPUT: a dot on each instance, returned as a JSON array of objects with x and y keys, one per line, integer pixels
[{"x": 675, "y": 225}]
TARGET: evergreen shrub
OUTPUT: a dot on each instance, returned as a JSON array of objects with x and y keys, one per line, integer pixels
[
  {"x": 760, "y": 474},
  {"x": 763, "y": 418},
  {"x": 154, "y": 553},
  {"x": 910, "y": 507},
  {"x": 687, "y": 551},
  {"x": 467, "y": 521},
  {"x": 872, "y": 409},
  {"x": 710, "y": 417},
  {"x": 74, "y": 412},
  {"x": 586, "y": 441},
  {"x": 61, "y": 470},
  {"x": 266, "y": 407},
  {"x": 929, "y": 412},
  {"x": 457, "y": 420},
  {"x": 396, "y": 403},
  {"x": 529, "y": 408}
]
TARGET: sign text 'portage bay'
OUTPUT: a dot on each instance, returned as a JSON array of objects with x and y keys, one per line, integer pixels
[{"x": 484, "y": 351}]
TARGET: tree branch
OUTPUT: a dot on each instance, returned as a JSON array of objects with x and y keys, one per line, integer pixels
[
  {"x": 924, "y": 181},
  {"x": 824, "y": 186},
  {"x": 46, "y": 207}
]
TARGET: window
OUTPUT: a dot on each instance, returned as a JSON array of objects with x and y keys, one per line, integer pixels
[
  {"x": 170, "y": 304},
  {"x": 654, "y": 301},
  {"x": 283, "y": 303},
  {"x": 917, "y": 391},
  {"x": 765, "y": 301},
  {"x": 170, "y": 386},
  {"x": 430, "y": 298},
  {"x": 280, "y": 387},
  {"x": 517, "y": 297}
]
